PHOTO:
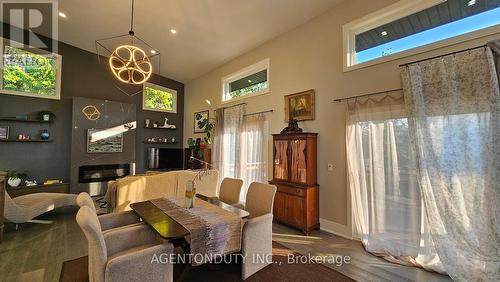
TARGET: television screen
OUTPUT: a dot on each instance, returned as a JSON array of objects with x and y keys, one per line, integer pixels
[{"x": 166, "y": 158}]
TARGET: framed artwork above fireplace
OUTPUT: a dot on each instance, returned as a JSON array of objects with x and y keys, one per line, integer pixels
[{"x": 104, "y": 140}]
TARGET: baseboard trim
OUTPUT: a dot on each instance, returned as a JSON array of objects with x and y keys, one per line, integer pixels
[{"x": 335, "y": 228}]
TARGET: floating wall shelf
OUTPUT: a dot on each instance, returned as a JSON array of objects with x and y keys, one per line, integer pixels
[
  {"x": 152, "y": 142},
  {"x": 26, "y": 120},
  {"x": 25, "y": 141},
  {"x": 164, "y": 128}
]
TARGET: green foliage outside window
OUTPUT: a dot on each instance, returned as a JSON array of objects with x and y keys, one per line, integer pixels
[
  {"x": 248, "y": 90},
  {"x": 27, "y": 72},
  {"x": 157, "y": 99}
]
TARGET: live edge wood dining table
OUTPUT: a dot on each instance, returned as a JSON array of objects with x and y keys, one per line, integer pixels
[{"x": 167, "y": 227}]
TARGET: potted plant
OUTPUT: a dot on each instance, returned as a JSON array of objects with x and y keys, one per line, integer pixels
[
  {"x": 46, "y": 115},
  {"x": 14, "y": 177},
  {"x": 209, "y": 128}
]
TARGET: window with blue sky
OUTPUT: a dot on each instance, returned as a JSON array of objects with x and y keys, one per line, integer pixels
[{"x": 443, "y": 21}]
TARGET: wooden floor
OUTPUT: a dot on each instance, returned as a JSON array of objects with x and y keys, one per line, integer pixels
[
  {"x": 363, "y": 266},
  {"x": 37, "y": 251}
]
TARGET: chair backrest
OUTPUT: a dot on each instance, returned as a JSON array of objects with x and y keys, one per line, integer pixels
[
  {"x": 230, "y": 190},
  {"x": 84, "y": 200},
  {"x": 13, "y": 212},
  {"x": 260, "y": 199},
  {"x": 98, "y": 255}
]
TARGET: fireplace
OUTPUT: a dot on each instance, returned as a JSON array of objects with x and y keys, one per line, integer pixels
[{"x": 102, "y": 173}]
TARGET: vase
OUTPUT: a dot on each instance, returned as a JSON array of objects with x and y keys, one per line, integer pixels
[
  {"x": 190, "y": 194},
  {"x": 14, "y": 182},
  {"x": 45, "y": 135}
]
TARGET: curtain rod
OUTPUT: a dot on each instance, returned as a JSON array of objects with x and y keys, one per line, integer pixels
[
  {"x": 367, "y": 94},
  {"x": 444, "y": 55},
  {"x": 231, "y": 106},
  {"x": 262, "y": 112}
]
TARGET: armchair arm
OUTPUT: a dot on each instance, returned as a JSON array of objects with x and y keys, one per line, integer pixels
[
  {"x": 141, "y": 265},
  {"x": 129, "y": 237},
  {"x": 113, "y": 220}
]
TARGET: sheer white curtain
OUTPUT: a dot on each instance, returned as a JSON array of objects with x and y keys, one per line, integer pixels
[
  {"x": 387, "y": 208},
  {"x": 254, "y": 144},
  {"x": 240, "y": 147},
  {"x": 454, "y": 121},
  {"x": 229, "y": 125}
]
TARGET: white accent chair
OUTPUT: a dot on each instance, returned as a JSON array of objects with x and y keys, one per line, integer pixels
[
  {"x": 25, "y": 208},
  {"x": 257, "y": 237},
  {"x": 125, "y": 254},
  {"x": 111, "y": 220},
  {"x": 230, "y": 190}
]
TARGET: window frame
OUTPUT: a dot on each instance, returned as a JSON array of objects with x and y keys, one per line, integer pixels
[
  {"x": 257, "y": 67},
  {"x": 391, "y": 13},
  {"x": 162, "y": 88},
  {"x": 28, "y": 94}
]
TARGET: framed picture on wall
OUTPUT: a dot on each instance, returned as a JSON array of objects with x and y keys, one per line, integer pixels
[
  {"x": 199, "y": 117},
  {"x": 300, "y": 106},
  {"x": 104, "y": 140},
  {"x": 158, "y": 98},
  {"x": 4, "y": 132}
]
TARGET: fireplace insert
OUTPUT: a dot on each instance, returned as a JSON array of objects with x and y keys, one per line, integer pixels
[{"x": 102, "y": 173}]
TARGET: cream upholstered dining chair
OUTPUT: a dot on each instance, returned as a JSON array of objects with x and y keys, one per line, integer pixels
[
  {"x": 25, "y": 208},
  {"x": 124, "y": 254},
  {"x": 230, "y": 190},
  {"x": 257, "y": 235},
  {"x": 111, "y": 220}
]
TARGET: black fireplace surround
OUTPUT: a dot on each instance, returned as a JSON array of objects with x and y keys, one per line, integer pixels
[{"x": 102, "y": 173}]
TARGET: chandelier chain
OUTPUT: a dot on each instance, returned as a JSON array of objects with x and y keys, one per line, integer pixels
[{"x": 132, "y": 19}]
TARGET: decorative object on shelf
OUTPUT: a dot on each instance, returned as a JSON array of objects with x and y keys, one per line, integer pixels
[
  {"x": 172, "y": 140},
  {"x": 300, "y": 106},
  {"x": 166, "y": 125},
  {"x": 199, "y": 121},
  {"x": 147, "y": 122},
  {"x": 44, "y": 134},
  {"x": 155, "y": 125},
  {"x": 104, "y": 140},
  {"x": 128, "y": 61},
  {"x": 293, "y": 127},
  {"x": 4, "y": 132},
  {"x": 14, "y": 178},
  {"x": 91, "y": 112},
  {"x": 23, "y": 137},
  {"x": 52, "y": 181},
  {"x": 46, "y": 116},
  {"x": 30, "y": 183}
]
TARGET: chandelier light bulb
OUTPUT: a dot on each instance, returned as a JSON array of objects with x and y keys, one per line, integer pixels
[{"x": 130, "y": 64}]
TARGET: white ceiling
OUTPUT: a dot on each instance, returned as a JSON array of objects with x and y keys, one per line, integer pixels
[{"x": 209, "y": 32}]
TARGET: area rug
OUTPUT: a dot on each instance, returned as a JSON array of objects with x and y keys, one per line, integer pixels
[{"x": 281, "y": 270}]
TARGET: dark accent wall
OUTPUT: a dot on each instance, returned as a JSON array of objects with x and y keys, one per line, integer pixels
[
  {"x": 82, "y": 76},
  {"x": 113, "y": 115}
]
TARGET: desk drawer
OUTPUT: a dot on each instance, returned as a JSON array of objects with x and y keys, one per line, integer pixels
[{"x": 292, "y": 191}]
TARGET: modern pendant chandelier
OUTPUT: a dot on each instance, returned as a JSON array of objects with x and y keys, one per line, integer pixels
[{"x": 128, "y": 59}]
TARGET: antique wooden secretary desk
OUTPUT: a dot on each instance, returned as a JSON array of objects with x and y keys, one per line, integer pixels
[{"x": 296, "y": 202}]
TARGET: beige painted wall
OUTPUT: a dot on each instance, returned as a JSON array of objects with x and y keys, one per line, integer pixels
[{"x": 310, "y": 57}]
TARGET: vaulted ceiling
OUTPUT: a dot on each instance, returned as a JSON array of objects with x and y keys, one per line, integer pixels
[{"x": 209, "y": 32}]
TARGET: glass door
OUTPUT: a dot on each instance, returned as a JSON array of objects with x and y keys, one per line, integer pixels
[
  {"x": 280, "y": 162},
  {"x": 298, "y": 161}
]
